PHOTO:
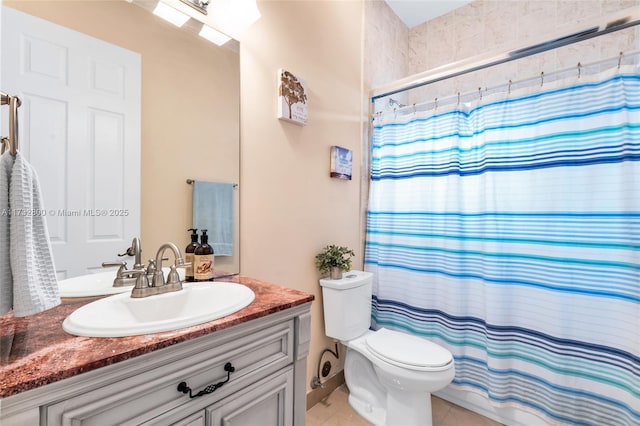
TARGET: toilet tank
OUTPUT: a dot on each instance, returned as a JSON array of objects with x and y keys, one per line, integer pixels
[{"x": 347, "y": 305}]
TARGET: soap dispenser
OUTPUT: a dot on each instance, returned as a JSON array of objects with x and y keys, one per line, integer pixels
[
  {"x": 203, "y": 262},
  {"x": 189, "y": 254}
]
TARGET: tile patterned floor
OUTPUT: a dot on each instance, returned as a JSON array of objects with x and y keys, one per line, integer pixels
[{"x": 336, "y": 411}]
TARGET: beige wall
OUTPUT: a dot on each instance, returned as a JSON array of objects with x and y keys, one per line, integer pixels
[
  {"x": 190, "y": 108},
  {"x": 291, "y": 208}
]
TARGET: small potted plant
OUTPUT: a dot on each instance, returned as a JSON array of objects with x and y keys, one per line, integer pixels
[{"x": 334, "y": 260}]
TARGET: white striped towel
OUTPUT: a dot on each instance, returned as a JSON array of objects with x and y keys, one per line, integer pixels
[
  {"x": 35, "y": 287},
  {"x": 6, "y": 280}
]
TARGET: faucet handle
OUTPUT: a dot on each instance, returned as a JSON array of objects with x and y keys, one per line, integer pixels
[
  {"x": 142, "y": 283},
  {"x": 151, "y": 267},
  {"x": 173, "y": 277},
  {"x": 129, "y": 252},
  {"x": 122, "y": 265},
  {"x": 110, "y": 264}
]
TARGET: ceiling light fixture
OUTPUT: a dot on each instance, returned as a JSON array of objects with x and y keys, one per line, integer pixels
[
  {"x": 238, "y": 14},
  {"x": 214, "y": 36},
  {"x": 199, "y": 5},
  {"x": 170, "y": 14}
]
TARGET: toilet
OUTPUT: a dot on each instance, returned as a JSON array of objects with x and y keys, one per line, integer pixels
[{"x": 390, "y": 374}]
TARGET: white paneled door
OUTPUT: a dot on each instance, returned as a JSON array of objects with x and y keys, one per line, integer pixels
[{"x": 80, "y": 129}]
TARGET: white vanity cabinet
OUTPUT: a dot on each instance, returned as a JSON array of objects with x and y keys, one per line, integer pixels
[{"x": 267, "y": 386}]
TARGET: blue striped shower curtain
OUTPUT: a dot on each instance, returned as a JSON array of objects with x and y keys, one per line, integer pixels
[{"x": 508, "y": 231}]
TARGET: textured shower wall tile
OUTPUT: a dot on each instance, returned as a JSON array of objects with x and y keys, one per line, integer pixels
[
  {"x": 468, "y": 21},
  {"x": 573, "y": 12},
  {"x": 421, "y": 51},
  {"x": 421, "y": 43},
  {"x": 505, "y": 72},
  {"x": 584, "y": 52},
  {"x": 536, "y": 21},
  {"x": 610, "y": 6},
  {"x": 623, "y": 41},
  {"x": 470, "y": 46},
  {"x": 386, "y": 45},
  {"x": 499, "y": 24},
  {"x": 486, "y": 26}
]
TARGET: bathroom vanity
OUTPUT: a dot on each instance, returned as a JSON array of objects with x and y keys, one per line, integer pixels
[{"x": 48, "y": 377}]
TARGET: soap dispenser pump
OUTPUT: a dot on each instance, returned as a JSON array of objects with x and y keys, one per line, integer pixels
[
  {"x": 189, "y": 255},
  {"x": 203, "y": 263}
]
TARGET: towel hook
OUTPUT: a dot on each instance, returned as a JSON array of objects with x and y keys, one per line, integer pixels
[
  {"x": 12, "y": 140},
  {"x": 5, "y": 144}
]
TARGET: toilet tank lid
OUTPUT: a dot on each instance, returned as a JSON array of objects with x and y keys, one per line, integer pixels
[{"x": 350, "y": 279}]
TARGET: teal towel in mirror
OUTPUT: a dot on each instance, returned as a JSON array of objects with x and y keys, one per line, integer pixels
[{"x": 213, "y": 210}]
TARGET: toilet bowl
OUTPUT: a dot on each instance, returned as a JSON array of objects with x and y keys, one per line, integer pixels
[
  {"x": 403, "y": 387},
  {"x": 390, "y": 374}
]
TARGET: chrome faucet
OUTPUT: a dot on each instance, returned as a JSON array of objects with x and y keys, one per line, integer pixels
[
  {"x": 135, "y": 250},
  {"x": 144, "y": 288},
  {"x": 125, "y": 277}
]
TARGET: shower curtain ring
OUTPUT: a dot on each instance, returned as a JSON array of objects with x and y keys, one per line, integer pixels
[
  {"x": 509, "y": 90},
  {"x": 541, "y": 78},
  {"x": 579, "y": 70},
  {"x": 480, "y": 92},
  {"x": 435, "y": 104},
  {"x": 619, "y": 59},
  {"x": 458, "y": 98}
]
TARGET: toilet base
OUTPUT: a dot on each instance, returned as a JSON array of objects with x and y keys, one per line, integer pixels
[
  {"x": 402, "y": 410},
  {"x": 408, "y": 409},
  {"x": 375, "y": 415}
]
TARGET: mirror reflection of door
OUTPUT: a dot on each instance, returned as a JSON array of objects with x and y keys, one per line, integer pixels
[
  {"x": 190, "y": 112},
  {"x": 80, "y": 129}
]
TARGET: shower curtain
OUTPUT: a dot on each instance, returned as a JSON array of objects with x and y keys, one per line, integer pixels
[{"x": 508, "y": 231}]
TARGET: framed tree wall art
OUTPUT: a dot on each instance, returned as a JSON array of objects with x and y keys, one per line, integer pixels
[{"x": 292, "y": 98}]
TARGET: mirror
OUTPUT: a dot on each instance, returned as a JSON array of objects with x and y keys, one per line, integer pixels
[{"x": 189, "y": 129}]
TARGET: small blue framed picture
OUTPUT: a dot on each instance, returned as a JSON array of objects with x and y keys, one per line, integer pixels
[{"x": 341, "y": 162}]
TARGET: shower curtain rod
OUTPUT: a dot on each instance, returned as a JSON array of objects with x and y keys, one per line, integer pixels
[
  {"x": 615, "y": 22},
  {"x": 540, "y": 79}
]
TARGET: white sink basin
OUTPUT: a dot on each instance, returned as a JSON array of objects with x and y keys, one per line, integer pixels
[
  {"x": 100, "y": 284},
  {"x": 121, "y": 315}
]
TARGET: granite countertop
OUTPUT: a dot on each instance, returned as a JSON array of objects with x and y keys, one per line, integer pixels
[{"x": 35, "y": 351}]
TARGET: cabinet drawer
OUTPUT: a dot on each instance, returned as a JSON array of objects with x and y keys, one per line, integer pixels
[
  {"x": 266, "y": 402},
  {"x": 255, "y": 355}
]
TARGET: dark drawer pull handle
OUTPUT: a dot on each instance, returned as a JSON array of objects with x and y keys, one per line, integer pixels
[{"x": 182, "y": 387}]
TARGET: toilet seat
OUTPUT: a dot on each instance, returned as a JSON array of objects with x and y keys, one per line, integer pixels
[{"x": 408, "y": 351}]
